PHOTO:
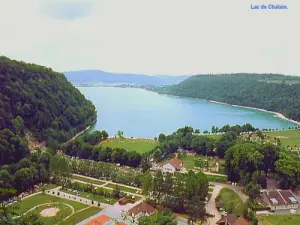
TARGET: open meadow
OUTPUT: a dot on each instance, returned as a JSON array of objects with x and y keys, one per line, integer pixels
[
  {"x": 138, "y": 145},
  {"x": 287, "y": 137}
]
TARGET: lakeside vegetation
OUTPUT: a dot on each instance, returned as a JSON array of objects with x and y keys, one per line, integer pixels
[
  {"x": 272, "y": 92},
  {"x": 288, "y": 138}
]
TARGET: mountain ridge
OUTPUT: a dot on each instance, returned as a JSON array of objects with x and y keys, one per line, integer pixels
[{"x": 99, "y": 76}]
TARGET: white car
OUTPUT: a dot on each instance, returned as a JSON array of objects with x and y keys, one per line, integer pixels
[{"x": 293, "y": 211}]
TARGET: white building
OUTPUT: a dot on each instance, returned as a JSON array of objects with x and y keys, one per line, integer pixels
[{"x": 174, "y": 165}]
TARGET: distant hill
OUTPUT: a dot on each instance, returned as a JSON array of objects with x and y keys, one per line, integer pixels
[
  {"x": 273, "y": 92},
  {"x": 92, "y": 77}
]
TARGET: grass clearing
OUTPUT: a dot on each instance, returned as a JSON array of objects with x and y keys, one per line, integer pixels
[
  {"x": 63, "y": 212},
  {"x": 39, "y": 199},
  {"x": 138, "y": 145},
  {"x": 214, "y": 178},
  {"x": 88, "y": 180},
  {"x": 287, "y": 137},
  {"x": 122, "y": 188},
  {"x": 78, "y": 217},
  {"x": 279, "y": 219},
  {"x": 230, "y": 201},
  {"x": 47, "y": 187}
]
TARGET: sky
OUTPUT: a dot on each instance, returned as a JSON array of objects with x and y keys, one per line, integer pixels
[{"x": 169, "y": 37}]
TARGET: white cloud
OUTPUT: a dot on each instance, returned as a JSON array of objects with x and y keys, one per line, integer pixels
[{"x": 152, "y": 37}]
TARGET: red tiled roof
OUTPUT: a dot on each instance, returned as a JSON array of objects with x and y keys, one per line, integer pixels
[
  {"x": 177, "y": 163},
  {"x": 241, "y": 221},
  {"x": 142, "y": 207},
  {"x": 100, "y": 220}
]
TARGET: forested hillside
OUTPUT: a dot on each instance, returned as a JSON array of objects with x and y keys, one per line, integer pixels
[
  {"x": 36, "y": 100},
  {"x": 272, "y": 92}
]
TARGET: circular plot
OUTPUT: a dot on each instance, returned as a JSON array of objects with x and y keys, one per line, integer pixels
[{"x": 49, "y": 212}]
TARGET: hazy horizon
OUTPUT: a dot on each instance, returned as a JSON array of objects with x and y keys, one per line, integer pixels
[{"x": 170, "y": 37}]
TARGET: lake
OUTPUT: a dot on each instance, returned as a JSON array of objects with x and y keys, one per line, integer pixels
[{"x": 142, "y": 113}]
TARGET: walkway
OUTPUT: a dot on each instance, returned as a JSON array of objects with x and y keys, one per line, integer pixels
[{"x": 211, "y": 206}]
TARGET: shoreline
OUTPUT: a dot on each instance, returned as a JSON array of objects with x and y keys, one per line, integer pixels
[{"x": 277, "y": 114}]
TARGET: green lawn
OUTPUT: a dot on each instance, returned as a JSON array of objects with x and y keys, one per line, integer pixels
[
  {"x": 77, "y": 217},
  {"x": 287, "y": 137},
  {"x": 88, "y": 180},
  {"x": 38, "y": 199},
  {"x": 230, "y": 201},
  {"x": 279, "y": 219},
  {"x": 122, "y": 188},
  {"x": 47, "y": 187},
  {"x": 138, "y": 145},
  {"x": 64, "y": 211}
]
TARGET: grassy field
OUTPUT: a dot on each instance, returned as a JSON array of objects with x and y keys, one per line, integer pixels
[
  {"x": 279, "y": 219},
  {"x": 47, "y": 187},
  {"x": 138, "y": 145},
  {"x": 77, "y": 217},
  {"x": 82, "y": 211},
  {"x": 189, "y": 161},
  {"x": 287, "y": 137},
  {"x": 64, "y": 211},
  {"x": 122, "y": 188},
  {"x": 229, "y": 200},
  {"x": 88, "y": 180},
  {"x": 39, "y": 199}
]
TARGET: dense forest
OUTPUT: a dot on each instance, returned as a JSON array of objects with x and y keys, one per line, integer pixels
[
  {"x": 272, "y": 92},
  {"x": 38, "y": 102}
]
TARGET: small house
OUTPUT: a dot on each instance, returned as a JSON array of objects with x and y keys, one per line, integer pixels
[{"x": 174, "y": 165}]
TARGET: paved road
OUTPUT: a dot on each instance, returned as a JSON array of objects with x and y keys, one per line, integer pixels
[{"x": 211, "y": 206}]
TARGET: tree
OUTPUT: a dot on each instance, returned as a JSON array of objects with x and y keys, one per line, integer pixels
[
  {"x": 162, "y": 217},
  {"x": 195, "y": 209},
  {"x": 60, "y": 169},
  {"x": 120, "y": 134},
  {"x": 253, "y": 190},
  {"x": 146, "y": 183}
]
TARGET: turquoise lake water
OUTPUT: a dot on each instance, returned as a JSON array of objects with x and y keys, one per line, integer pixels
[{"x": 142, "y": 113}]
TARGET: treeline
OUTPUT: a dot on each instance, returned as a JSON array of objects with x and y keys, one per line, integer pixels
[
  {"x": 24, "y": 175},
  {"x": 36, "y": 100},
  {"x": 182, "y": 193},
  {"x": 190, "y": 139},
  {"x": 272, "y": 92},
  {"x": 250, "y": 163},
  {"x": 86, "y": 147},
  {"x": 106, "y": 171}
]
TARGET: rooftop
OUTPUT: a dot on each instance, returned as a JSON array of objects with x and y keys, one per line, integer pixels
[
  {"x": 142, "y": 207},
  {"x": 177, "y": 163}
]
